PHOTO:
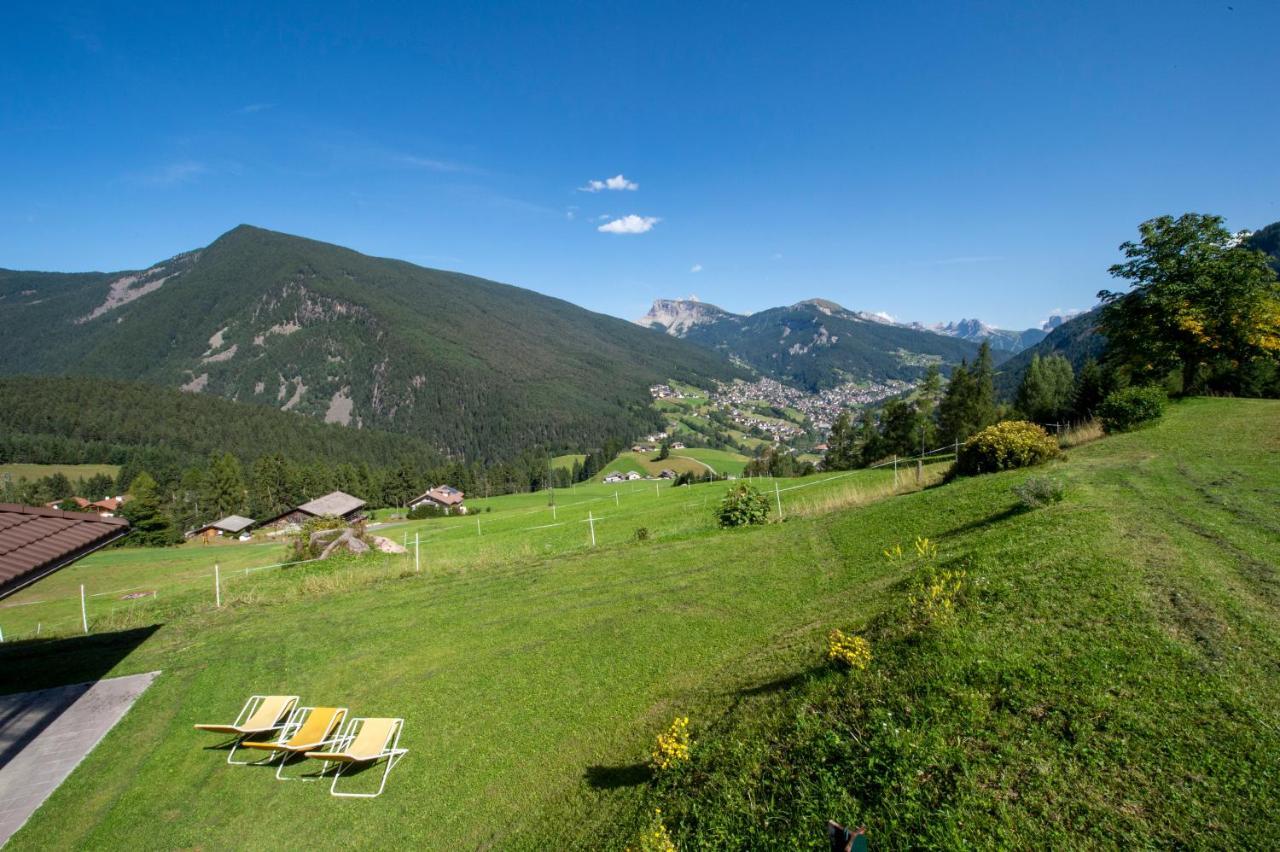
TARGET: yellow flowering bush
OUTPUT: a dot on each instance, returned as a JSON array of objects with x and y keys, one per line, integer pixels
[
  {"x": 893, "y": 555},
  {"x": 672, "y": 745},
  {"x": 655, "y": 838},
  {"x": 933, "y": 600},
  {"x": 926, "y": 549},
  {"x": 853, "y": 651},
  {"x": 1005, "y": 446}
]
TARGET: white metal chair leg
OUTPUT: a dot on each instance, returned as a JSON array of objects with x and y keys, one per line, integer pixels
[{"x": 392, "y": 759}]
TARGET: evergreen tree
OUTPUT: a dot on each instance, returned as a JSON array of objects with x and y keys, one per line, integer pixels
[
  {"x": 842, "y": 445},
  {"x": 224, "y": 489},
  {"x": 150, "y": 526},
  {"x": 1046, "y": 393},
  {"x": 1092, "y": 386}
]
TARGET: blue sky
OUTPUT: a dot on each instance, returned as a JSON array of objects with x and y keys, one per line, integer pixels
[{"x": 933, "y": 162}]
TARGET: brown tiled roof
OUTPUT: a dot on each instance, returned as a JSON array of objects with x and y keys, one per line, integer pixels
[
  {"x": 445, "y": 495},
  {"x": 36, "y": 542}
]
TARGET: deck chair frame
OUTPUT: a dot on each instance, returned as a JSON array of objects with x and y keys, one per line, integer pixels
[
  {"x": 390, "y": 750},
  {"x": 246, "y": 713},
  {"x": 291, "y": 726}
]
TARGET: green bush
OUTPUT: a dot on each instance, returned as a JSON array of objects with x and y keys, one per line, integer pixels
[
  {"x": 1005, "y": 446},
  {"x": 1132, "y": 408},
  {"x": 426, "y": 510},
  {"x": 741, "y": 506},
  {"x": 1039, "y": 491}
]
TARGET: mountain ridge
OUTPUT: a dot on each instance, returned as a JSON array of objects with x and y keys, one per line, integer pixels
[{"x": 484, "y": 369}]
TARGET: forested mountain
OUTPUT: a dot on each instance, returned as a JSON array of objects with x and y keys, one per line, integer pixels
[
  {"x": 814, "y": 344},
  {"x": 474, "y": 367},
  {"x": 1267, "y": 240},
  {"x": 1077, "y": 340}
]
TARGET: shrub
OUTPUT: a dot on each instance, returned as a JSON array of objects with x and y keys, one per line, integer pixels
[
  {"x": 743, "y": 505},
  {"x": 1005, "y": 446},
  {"x": 654, "y": 837},
  {"x": 641, "y": 534},
  {"x": 1039, "y": 491},
  {"x": 933, "y": 600},
  {"x": 426, "y": 510},
  {"x": 852, "y": 651},
  {"x": 1131, "y": 408},
  {"x": 672, "y": 746}
]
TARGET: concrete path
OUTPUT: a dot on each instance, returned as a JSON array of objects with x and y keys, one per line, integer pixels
[{"x": 45, "y": 734}]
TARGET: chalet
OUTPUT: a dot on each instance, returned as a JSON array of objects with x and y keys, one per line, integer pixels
[
  {"x": 107, "y": 507},
  {"x": 677, "y": 445},
  {"x": 615, "y": 477},
  {"x": 631, "y": 476},
  {"x": 667, "y": 473},
  {"x": 442, "y": 497},
  {"x": 641, "y": 448},
  {"x": 81, "y": 503},
  {"x": 335, "y": 504},
  {"x": 230, "y": 525}
]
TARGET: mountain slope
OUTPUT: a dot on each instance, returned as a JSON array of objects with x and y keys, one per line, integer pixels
[
  {"x": 480, "y": 368},
  {"x": 814, "y": 344},
  {"x": 1077, "y": 340}
]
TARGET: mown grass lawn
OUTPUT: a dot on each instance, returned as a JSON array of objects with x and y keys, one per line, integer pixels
[{"x": 1111, "y": 679}]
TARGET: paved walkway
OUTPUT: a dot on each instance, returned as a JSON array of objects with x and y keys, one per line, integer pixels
[{"x": 45, "y": 734}]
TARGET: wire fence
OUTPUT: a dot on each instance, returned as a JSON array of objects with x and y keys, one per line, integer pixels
[{"x": 161, "y": 583}]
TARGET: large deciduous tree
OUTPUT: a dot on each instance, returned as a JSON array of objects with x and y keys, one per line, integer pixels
[{"x": 1200, "y": 304}]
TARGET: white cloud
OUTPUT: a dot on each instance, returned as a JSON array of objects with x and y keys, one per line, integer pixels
[
  {"x": 631, "y": 224},
  {"x": 617, "y": 182},
  {"x": 697, "y": 267},
  {"x": 571, "y": 212},
  {"x": 247, "y": 109}
]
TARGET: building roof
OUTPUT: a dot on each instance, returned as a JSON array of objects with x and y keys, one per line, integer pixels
[
  {"x": 445, "y": 495},
  {"x": 231, "y": 524},
  {"x": 335, "y": 503},
  {"x": 36, "y": 542}
]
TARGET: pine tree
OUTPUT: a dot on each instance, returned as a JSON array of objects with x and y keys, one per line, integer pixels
[
  {"x": 842, "y": 450},
  {"x": 150, "y": 527},
  {"x": 1092, "y": 386},
  {"x": 224, "y": 487}
]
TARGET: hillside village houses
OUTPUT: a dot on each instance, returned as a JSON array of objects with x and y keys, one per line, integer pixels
[
  {"x": 619, "y": 476},
  {"x": 444, "y": 497},
  {"x": 107, "y": 507}
]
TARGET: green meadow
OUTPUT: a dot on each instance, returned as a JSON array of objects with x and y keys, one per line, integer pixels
[{"x": 1108, "y": 679}]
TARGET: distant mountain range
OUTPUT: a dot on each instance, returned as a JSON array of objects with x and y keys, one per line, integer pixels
[
  {"x": 814, "y": 344},
  {"x": 479, "y": 368}
]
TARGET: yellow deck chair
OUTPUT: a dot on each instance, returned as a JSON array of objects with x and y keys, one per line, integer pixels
[
  {"x": 261, "y": 714},
  {"x": 364, "y": 740},
  {"x": 308, "y": 728}
]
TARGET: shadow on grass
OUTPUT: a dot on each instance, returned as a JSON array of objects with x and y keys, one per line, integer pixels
[
  {"x": 44, "y": 663},
  {"x": 1015, "y": 509},
  {"x": 781, "y": 684},
  {"x": 613, "y": 777}
]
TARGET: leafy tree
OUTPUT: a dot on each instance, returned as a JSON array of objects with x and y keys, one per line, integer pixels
[
  {"x": 1199, "y": 305},
  {"x": 150, "y": 526},
  {"x": 1047, "y": 391}
]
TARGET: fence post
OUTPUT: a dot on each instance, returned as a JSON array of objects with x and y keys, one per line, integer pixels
[
  {"x": 1, "y": 635},
  {"x": 777, "y": 495},
  {"x": 591, "y": 521},
  {"x": 478, "y": 526},
  {"x": 417, "y": 564},
  {"x": 84, "y": 613},
  {"x": 615, "y": 499},
  {"x": 217, "y": 586},
  {"x": 895, "y": 470}
]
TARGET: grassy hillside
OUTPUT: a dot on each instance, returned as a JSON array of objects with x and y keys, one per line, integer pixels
[
  {"x": 73, "y": 472},
  {"x": 477, "y": 367},
  {"x": 1107, "y": 680}
]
